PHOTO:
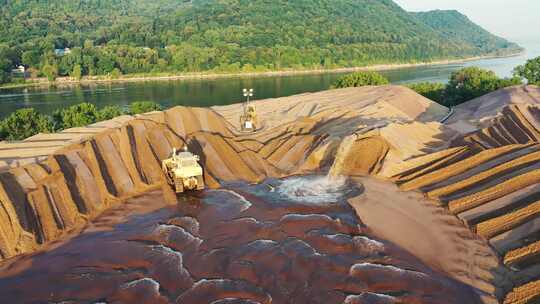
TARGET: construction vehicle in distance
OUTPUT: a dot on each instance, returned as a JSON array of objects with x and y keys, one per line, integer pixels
[
  {"x": 248, "y": 120},
  {"x": 183, "y": 172}
]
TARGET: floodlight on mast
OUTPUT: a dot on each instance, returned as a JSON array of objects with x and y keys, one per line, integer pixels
[{"x": 248, "y": 93}]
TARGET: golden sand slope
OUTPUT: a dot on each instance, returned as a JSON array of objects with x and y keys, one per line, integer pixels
[
  {"x": 471, "y": 115},
  {"x": 516, "y": 124},
  {"x": 490, "y": 179},
  {"x": 496, "y": 192},
  {"x": 434, "y": 236}
]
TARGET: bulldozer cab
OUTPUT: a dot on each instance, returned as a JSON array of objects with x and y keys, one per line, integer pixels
[
  {"x": 184, "y": 157},
  {"x": 248, "y": 121},
  {"x": 188, "y": 162},
  {"x": 183, "y": 171}
]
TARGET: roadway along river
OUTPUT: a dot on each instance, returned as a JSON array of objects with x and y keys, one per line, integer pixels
[{"x": 204, "y": 93}]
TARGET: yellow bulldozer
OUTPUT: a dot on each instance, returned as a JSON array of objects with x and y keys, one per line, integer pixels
[
  {"x": 248, "y": 120},
  {"x": 183, "y": 172}
]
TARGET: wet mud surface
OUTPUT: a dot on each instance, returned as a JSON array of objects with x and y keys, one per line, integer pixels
[{"x": 276, "y": 242}]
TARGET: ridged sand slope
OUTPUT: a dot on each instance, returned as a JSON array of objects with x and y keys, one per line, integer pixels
[{"x": 491, "y": 181}]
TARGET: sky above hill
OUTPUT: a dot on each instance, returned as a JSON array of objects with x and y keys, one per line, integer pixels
[{"x": 517, "y": 20}]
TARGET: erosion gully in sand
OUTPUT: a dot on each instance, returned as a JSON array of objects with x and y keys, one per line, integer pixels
[{"x": 411, "y": 211}]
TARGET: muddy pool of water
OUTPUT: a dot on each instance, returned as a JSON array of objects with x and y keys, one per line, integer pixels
[{"x": 282, "y": 241}]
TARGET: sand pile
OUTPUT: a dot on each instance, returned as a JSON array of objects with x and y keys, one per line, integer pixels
[
  {"x": 88, "y": 169},
  {"x": 367, "y": 106},
  {"x": 492, "y": 185},
  {"x": 482, "y": 166},
  {"x": 437, "y": 238},
  {"x": 470, "y": 116},
  {"x": 490, "y": 180},
  {"x": 515, "y": 124}
]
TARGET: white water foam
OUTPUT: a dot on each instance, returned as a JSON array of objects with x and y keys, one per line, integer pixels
[
  {"x": 338, "y": 237},
  {"x": 152, "y": 282},
  {"x": 260, "y": 245},
  {"x": 313, "y": 189},
  {"x": 386, "y": 298},
  {"x": 167, "y": 233},
  {"x": 295, "y": 217},
  {"x": 364, "y": 266},
  {"x": 370, "y": 243}
]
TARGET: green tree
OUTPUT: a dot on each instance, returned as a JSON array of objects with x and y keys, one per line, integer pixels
[
  {"x": 430, "y": 90},
  {"x": 5, "y": 70},
  {"x": 529, "y": 71},
  {"x": 109, "y": 112},
  {"x": 360, "y": 79},
  {"x": 140, "y": 107},
  {"x": 105, "y": 63},
  {"x": 88, "y": 44},
  {"x": 115, "y": 74},
  {"x": 50, "y": 71},
  {"x": 30, "y": 58},
  {"x": 77, "y": 72},
  {"x": 78, "y": 115},
  {"x": 472, "y": 82},
  {"x": 6, "y": 63},
  {"x": 24, "y": 123}
]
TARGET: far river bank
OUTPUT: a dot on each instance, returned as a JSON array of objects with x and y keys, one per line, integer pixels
[
  {"x": 89, "y": 80},
  {"x": 206, "y": 90}
]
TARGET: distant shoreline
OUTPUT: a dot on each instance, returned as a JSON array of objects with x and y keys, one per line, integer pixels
[{"x": 89, "y": 80}]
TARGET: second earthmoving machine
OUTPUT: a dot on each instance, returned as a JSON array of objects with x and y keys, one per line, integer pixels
[
  {"x": 183, "y": 172},
  {"x": 248, "y": 120}
]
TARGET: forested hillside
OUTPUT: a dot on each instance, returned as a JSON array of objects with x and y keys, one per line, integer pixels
[
  {"x": 457, "y": 27},
  {"x": 138, "y": 36}
]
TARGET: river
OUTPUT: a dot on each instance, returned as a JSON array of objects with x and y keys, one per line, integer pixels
[{"x": 209, "y": 92}]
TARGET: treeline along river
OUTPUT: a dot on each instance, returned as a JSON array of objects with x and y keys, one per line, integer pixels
[{"x": 221, "y": 91}]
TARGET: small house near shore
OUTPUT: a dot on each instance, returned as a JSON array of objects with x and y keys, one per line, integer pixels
[
  {"x": 62, "y": 52},
  {"x": 19, "y": 72}
]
